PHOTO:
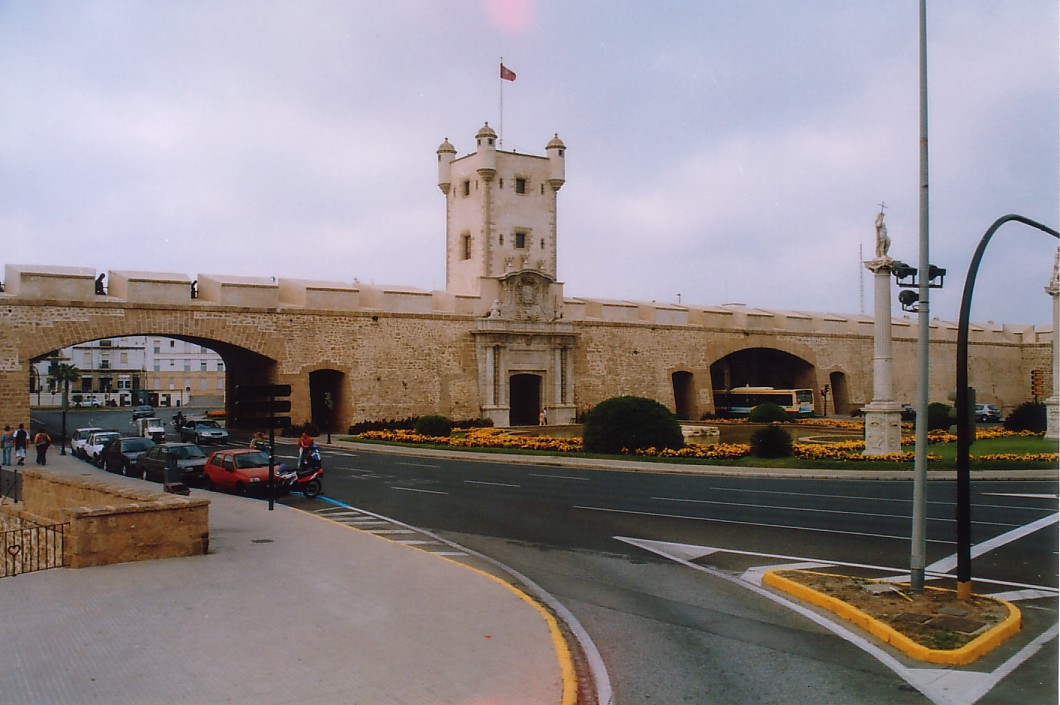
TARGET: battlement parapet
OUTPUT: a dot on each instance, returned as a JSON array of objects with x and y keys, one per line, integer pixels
[{"x": 78, "y": 284}]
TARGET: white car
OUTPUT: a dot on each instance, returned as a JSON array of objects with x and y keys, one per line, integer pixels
[
  {"x": 93, "y": 448},
  {"x": 77, "y": 441}
]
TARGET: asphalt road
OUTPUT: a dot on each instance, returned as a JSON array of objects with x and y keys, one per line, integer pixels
[{"x": 654, "y": 567}]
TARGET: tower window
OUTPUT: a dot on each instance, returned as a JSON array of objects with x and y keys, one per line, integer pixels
[
  {"x": 467, "y": 246},
  {"x": 520, "y": 185},
  {"x": 467, "y": 187},
  {"x": 520, "y": 241}
]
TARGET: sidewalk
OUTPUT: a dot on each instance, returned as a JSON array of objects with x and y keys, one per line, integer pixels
[{"x": 286, "y": 608}]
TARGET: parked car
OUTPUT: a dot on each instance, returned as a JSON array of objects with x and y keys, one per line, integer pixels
[
  {"x": 77, "y": 441},
  {"x": 242, "y": 470},
  {"x": 93, "y": 448},
  {"x": 142, "y": 412},
  {"x": 120, "y": 454},
  {"x": 188, "y": 457},
  {"x": 987, "y": 412},
  {"x": 200, "y": 431}
]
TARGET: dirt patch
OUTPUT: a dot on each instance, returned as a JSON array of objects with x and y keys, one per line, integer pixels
[{"x": 933, "y": 618}]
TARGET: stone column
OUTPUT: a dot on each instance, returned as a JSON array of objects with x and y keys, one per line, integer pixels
[
  {"x": 883, "y": 415},
  {"x": 1052, "y": 404}
]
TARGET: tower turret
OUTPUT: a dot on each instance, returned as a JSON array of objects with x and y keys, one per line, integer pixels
[
  {"x": 486, "y": 146},
  {"x": 446, "y": 154},
  {"x": 556, "y": 172}
]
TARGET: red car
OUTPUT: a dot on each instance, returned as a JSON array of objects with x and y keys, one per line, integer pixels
[{"x": 244, "y": 471}]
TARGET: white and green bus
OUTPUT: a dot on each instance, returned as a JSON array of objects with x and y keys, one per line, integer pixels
[{"x": 740, "y": 400}]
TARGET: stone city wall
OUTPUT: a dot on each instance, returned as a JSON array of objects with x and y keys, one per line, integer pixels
[{"x": 404, "y": 352}]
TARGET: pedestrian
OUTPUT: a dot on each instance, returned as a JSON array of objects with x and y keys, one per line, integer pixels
[
  {"x": 304, "y": 442},
  {"x": 259, "y": 442},
  {"x": 42, "y": 440},
  {"x": 7, "y": 440},
  {"x": 21, "y": 442},
  {"x": 100, "y": 290},
  {"x": 542, "y": 418}
]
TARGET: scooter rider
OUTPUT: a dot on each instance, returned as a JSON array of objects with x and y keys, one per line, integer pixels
[{"x": 304, "y": 443}]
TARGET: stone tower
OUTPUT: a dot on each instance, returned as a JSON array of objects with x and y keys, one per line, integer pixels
[
  {"x": 500, "y": 212},
  {"x": 500, "y": 234}
]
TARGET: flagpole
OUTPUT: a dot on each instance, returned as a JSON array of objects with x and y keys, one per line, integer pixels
[{"x": 500, "y": 138}]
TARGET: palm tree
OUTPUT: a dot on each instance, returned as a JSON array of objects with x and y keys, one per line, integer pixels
[{"x": 65, "y": 374}]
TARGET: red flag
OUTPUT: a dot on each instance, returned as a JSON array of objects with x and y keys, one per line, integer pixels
[{"x": 507, "y": 74}]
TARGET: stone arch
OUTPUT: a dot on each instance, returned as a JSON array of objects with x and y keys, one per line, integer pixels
[
  {"x": 249, "y": 355},
  {"x": 762, "y": 367},
  {"x": 683, "y": 384},
  {"x": 329, "y": 398},
  {"x": 840, "y": 392}
]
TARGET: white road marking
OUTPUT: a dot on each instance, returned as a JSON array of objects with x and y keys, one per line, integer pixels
[
  {"x": 750, "y": 523},
  {"x": 941, "y": 686},
  {"x": 416, "y": 489},
  {"x": 558, "y": 477},
  {"x": 1018, "y": 494},
  {"x": 419, "y": 465},
  {"x": 950, "y": 562},
  {"x": 811, "y": 510},
  {"x": 493, "y": 484}
]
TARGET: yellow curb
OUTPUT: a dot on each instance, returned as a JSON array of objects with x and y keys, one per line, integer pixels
[
  {"x": 981, "y": 645},
  {"x": 566, "y": 661}
]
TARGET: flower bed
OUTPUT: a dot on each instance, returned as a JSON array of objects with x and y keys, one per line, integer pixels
[{"x": 849, "y": 450}]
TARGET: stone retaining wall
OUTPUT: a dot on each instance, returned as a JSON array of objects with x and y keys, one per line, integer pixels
[{"x": 114, "y": 524}]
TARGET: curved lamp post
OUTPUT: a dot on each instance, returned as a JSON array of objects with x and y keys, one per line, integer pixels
[{"x": 964, "y": 432}]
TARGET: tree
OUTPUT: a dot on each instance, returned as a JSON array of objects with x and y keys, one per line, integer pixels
[{"x": 63, "y": 374}]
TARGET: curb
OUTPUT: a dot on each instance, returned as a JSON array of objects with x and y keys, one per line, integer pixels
[
  {"x": 970, "y": 652},
  {"x": 563, "y": 653}
]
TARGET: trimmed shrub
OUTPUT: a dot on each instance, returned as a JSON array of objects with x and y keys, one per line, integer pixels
[
  {"x": 771, "y": 442},
  {"x": 1028, "y": 416},
  {"x": 630, "y": 423},
  {"x": 434, "y": 425},
  {"x": 768, "y": 413},
  {"x": 939, "y": 416}
]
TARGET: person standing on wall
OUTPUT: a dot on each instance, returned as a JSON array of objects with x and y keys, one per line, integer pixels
[
  {"x": 21, "y": 442},
  {"x": 42, "y": 440}
]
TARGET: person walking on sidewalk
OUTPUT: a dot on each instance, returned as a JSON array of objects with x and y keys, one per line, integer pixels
[
  {"x": 7, "y": 441},
  {"x": 21, "y": 442},
  {"x": 42, "y": 440}
]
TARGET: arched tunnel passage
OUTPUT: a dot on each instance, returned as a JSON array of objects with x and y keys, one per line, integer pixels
[{"x": 761, "y": 367}]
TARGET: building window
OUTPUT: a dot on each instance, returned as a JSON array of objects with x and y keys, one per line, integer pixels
[
  {"x": 467, "y": 187},
  {"x": 86, "y": 384},
  {"x": 520, "y": 241},
  {"x": 106, "y": 343},
  {"x": 202, "y": 366},
  {"x": 187, "y": 365},
  {"x": 157, "y": 366},
  {"x": 467, "y": 245},
  {"x": 220, "y": 366},
  {"x": 520, "y": 185},
  {"x": 104, "y": 364},
  {"x": 172, "y": 343},
  {"x": 124, "y": 358}
]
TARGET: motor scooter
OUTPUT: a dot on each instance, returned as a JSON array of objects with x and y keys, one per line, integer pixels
[{"x": 308, "y": 479}]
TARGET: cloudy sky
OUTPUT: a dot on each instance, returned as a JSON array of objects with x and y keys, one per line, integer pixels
[{"x": 718, "y": 151}]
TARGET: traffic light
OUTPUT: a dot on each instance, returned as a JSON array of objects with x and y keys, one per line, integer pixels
[{"x": 256, "y": 405}]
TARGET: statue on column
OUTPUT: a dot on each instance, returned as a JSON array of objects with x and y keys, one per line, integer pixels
[{"x": 883, "y": 241}]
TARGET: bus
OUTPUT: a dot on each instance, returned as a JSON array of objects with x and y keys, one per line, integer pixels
[{"x": 740, "y": 400}]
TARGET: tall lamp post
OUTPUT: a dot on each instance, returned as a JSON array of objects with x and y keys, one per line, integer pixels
[{"x": 964, "y": 431}]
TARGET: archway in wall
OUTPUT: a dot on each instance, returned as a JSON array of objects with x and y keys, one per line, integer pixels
[
  {"x": 761, "y": 367},
  {"x": 327, "y": 401},
  {"x": 162, "y": 370},
  {"x": 840, "y": 395},
  {"x": 525, "y": 398},
  {"x": 684, "y": 395}
]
